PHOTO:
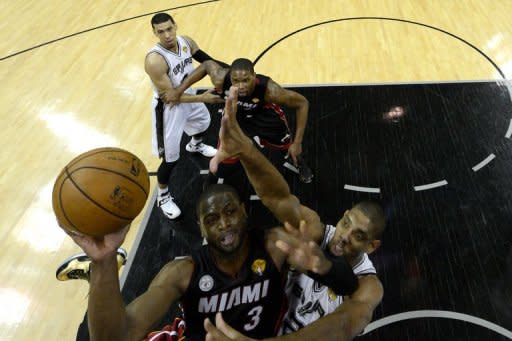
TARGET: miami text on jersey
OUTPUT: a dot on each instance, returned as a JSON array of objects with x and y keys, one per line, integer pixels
[{"x": 232, "y": 298}]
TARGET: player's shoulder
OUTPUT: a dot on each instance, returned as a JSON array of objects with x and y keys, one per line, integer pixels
[
  {"x": 364, "y": 266},
  {"x": 187, "y": 38},
  {"x": 154, "y": 58},
  {"x": 180, "y": 263},
  {"x": 191, "y": 42}
]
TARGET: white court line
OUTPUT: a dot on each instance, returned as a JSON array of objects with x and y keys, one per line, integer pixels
[
  {"x": 440, "y": 314},
  {"x": 138, "y": 237},
  {"x": 220, "y": 181},
  {"x": 509, "y": 131},
  {"x": 483, "y": 163},
  {"x": 430, "y": 186},
  {"x": 204, "y": 171},
  {"x": 362, "y": 189},
  {"x": 254, "y": 197}
]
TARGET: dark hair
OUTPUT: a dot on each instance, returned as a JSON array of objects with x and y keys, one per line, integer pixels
[
  {"x": 161, "y": 18},
  {"x": 215, "y": 189},
  {"x": 375, "y": 213},
  {"x": 242, "y": 64}
]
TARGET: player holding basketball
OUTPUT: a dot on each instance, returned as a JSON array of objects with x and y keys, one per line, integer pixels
[
  {"x": 167, "y": 64},
  {"x": 314, "y": 308},
  {"x": 259, "y": 111},
  {"x": 239, "y": 272}
]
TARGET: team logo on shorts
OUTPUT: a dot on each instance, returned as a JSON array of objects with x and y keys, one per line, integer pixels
[
  {"x": 206, "y": 283},
  {"x": 258, "y": 266}
]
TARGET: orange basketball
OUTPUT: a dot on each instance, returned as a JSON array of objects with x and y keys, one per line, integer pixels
[{"x": 100, "y": 191}]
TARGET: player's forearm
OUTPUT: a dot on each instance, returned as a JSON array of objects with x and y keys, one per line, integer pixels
[
  {"x": 196, "y": 75},
  {"x": 106, "y": 310},
  {"x": 268, "y": 183},
  {"x": 187, "y": 98}
]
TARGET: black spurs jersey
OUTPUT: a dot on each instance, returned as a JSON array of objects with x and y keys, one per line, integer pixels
[
  {"x": 253, "y": 303},
  {"x": 253, "y": 103}
]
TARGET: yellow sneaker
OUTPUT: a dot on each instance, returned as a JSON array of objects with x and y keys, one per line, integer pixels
[{"x": 77, "y": 266}]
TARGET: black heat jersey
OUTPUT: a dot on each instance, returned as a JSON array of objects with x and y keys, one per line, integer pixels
[
  {"x": 249, "y": 105},
  {"x": 253, "y": 303},
  {"x": 258, "y": 118}
]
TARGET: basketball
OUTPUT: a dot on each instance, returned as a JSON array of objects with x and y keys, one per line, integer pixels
[{"x": 100, "y": 191}]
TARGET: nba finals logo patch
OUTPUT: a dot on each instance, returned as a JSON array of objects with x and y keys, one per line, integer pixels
[
  {"x": 185, "y": 49},
  {"x": 120, "y": 198},
  {"x": 258, "y": 266},
  {"x": 255, "y": 100},
  {"x": 332, "y": 296},
  {"x": 206, "y": 283}
]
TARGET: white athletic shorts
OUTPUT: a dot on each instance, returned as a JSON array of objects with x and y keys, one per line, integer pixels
[{"x": 191, "y": 118}]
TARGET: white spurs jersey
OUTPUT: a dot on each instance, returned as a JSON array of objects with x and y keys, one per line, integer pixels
[
  {"x": 309, "y": 300},
  {"x": 180, "y": 63}
]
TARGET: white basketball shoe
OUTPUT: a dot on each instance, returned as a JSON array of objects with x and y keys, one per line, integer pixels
[
  {"x": 201, "y": 148},
  {"x": 168, "y": 206}
]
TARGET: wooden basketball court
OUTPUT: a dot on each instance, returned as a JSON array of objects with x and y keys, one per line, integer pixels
[{"x": 74, "y": 80}]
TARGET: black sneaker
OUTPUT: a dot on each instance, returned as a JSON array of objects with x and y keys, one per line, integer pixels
[{"x": 77, "y": 266}]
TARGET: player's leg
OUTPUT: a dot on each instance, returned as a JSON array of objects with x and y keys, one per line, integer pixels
[
  {"x": 274, "y": 132},
  {"x": 197, "y": 123},
  {"x": 168, "y": 130}
]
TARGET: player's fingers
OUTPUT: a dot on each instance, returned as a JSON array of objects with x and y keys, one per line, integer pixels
[
  {"x": 208, "y": 325},
  {"x": 291, "y": 230},
  {"x": 283, "y": 246},
  {"x": 304, "y": 230},
  {"x": 294, "y": 158},
  {"x": 231, "y": 103},
  {"x": 292, "y": 241},
  {"x": 212, "y": 333},
  {"x": 224, "y": 327},
  {"x": 214, "y": 164}
]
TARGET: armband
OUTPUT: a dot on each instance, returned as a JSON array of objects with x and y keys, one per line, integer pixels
[
  {"x": 202, "y": 56},
  {"x": 340, "y": 278}
]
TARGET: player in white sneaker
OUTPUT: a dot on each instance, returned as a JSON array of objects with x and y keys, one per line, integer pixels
[{"x": 167, "y": 64}]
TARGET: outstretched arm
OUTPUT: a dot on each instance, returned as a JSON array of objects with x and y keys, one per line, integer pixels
[
  {"x": 268, "y": 183},
  {"x": 276, "y": 94},
  {"x": 108, "y": 317}
]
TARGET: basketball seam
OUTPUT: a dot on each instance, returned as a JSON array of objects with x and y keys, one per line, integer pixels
[
  {"x": 92, "y": 152},
  {"x": 60, "y": 200},
  {"x": 104, "y": 150},
  {"x": 91, "y": 199},
  {"x": 115, "y": 172},
  {"x": 88, "y": 154}
]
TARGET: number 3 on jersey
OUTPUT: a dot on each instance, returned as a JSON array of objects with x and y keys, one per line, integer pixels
[{"x": 254, "y": 314}]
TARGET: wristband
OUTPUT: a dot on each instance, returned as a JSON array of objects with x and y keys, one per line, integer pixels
[{"x": 340, "y": 278}]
